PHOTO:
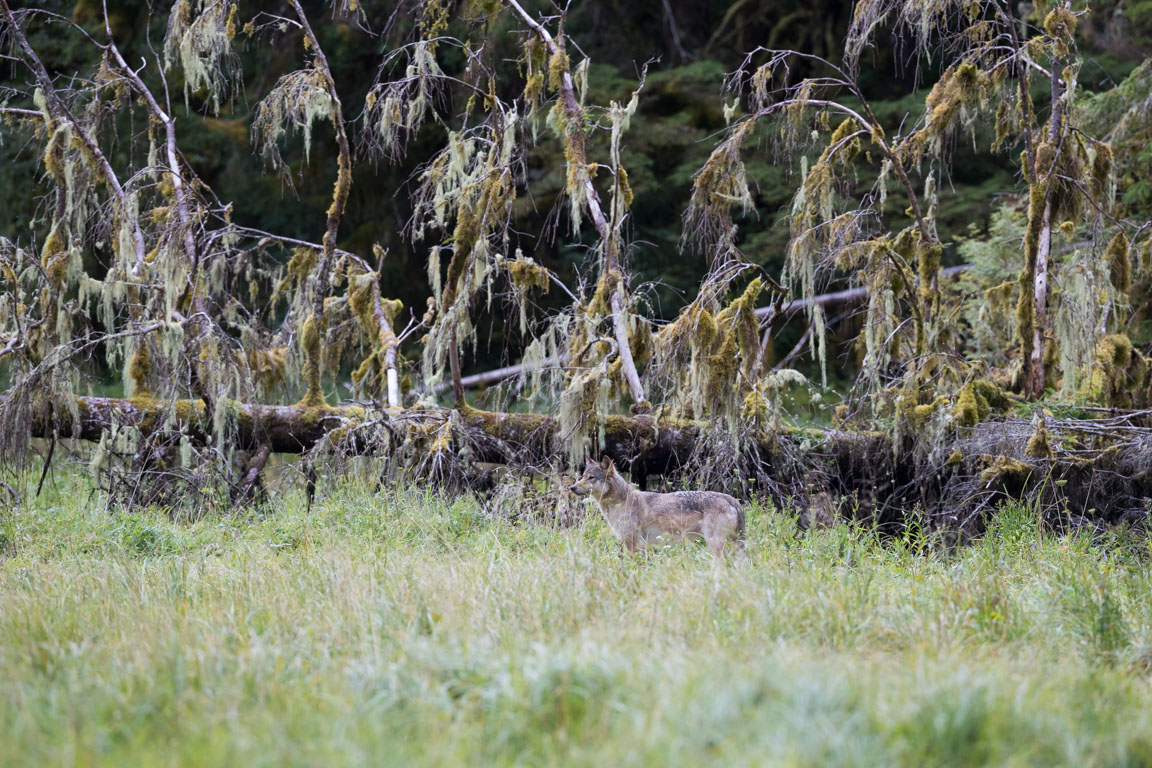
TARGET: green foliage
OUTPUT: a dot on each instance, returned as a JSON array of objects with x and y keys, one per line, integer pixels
[{"x": 143, "y": 536}]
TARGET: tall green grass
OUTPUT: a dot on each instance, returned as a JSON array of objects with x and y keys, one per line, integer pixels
[{"x": 404, "y": 628}]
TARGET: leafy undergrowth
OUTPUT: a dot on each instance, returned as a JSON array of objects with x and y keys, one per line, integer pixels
[{"x": 402, "y": 628}]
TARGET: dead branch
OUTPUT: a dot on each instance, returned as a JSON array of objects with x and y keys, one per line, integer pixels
[{"x": 608, "y": 237}]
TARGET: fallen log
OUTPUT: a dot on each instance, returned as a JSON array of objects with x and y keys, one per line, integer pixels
[
  {"x": 641, "y": 443},
  {"x": 1101, "y": 473},
  {"x": 498, "y": 437}
]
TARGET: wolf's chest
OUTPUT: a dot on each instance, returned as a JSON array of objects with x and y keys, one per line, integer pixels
[
  {"x": 619, "y": 518},
  {"x": 643, "y": 526}
]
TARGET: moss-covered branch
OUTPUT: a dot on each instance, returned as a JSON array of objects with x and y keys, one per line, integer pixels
[
  {"x": 580, "y": 187},
  {"x": 313, "y": 351},
  {"x": 59, "y": 113}
]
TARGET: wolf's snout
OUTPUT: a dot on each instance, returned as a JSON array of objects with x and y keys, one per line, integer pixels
[{"x": 578, "y": 490}]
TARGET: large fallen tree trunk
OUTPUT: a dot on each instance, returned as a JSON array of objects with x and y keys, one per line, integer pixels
[
  {"x": 497, "y": 437},
  {"x": 641, "y": 444},
  {"x": 1093, "y": 469}
]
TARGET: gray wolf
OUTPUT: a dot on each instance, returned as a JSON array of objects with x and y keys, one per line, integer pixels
[{"x": 638, "y": 517}]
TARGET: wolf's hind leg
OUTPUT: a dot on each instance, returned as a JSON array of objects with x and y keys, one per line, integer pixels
[
  {"x": 717, "y": 533},
  {"x": 718, "y": 546}
]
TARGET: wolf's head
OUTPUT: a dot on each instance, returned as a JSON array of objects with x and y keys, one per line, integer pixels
[{"x": 596, "y": 480}]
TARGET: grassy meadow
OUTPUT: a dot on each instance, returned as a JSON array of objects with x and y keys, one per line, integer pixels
[{"x": 405, "y": 629}]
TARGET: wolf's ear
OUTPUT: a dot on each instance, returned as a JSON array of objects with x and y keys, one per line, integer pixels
[
  {"x": 605, "y": 463},
  {"x": 590, "y": 462}
]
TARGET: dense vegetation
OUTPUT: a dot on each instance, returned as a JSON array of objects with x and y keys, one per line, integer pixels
[{"x": 646, "y": 209}]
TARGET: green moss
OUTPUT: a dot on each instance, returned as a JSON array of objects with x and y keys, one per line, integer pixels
[
  {"x": 302, "y": 263},
  {"x": 141, "y": 369},
  {"x": 640, "y": 342},
  {"x": 919, "y": 415},
  {"x": 361, "y": 299},
  {"x": 1045, "y": 156},
  {"x": 976, "y": 400},
  {"x": 154, "y": 413},
  {"x": 1007, "y": 120},
  {"x": 991, "y": 394},
  {"x": 1116, "y": 349},
  {"x": 929, "y": 266},
  {"x": 722, "y": 369},
  {"x": 1060, "y": 22},
  {"x": 1039, "y": 446},
  {"x": 268, "y": 365},
  {"x": 391, "y": 309},
  {"x": 515, "y": 428},
  {"x": 366, "y": 368},
  {"x": 310, "y": 346},
  {"x": 534, "y": 87},
  {"x": 1119, "y": 264},
  {"x": 846, "y": 152},
  {"x": 526, "y": 274},
  {"x": 54, "y": 259},
  {"x": 705, "y": 328},
  {"x": 966, "y": 409},
  {"x": 755, "y": 408},
  {"x": 1005, "y": 471},
  {"x": 739, "y": 319},
  {"x": 1118, "y": 376},
  {"x": 625, "y": 187},
  {"x": 600, "y": 304},
  {"x": 557, "y": 67}
]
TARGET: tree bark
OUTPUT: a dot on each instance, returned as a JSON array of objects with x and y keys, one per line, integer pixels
[
  {"x": 1036, "y": 372},
  {"x": 343, "y": 184},
  {"x": 1040, "y": 304}
]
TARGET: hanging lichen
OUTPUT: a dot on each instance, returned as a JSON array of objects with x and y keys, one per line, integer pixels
[
  {"x": 707, "y": 358},
  {"x": 200, "y": 35},
  {"x": 949, "y": 108},
  {"x": 720, "y": 186},
  {"x": 396, "y": 109},
  {"x": 472, "y": 181},
  {"x": 294, "y": 104}
]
